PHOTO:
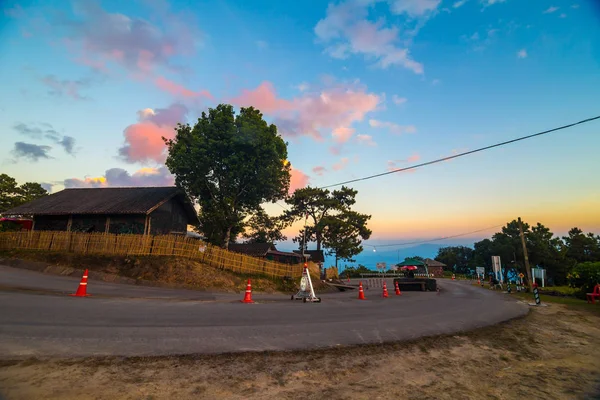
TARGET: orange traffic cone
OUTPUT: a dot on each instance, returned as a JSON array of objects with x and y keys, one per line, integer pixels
[
  {"x": 361, "y": 293},
  {"x": 82, "y": 289},
  {"x": 248, "y": 296},
  {"x": 452, "y": 276},
  {"x": 348, "y": 278},
  {"x": 478, "y": 281},
  {"x": 398, "y": 293},
  {"x": 385, "y": 292}
]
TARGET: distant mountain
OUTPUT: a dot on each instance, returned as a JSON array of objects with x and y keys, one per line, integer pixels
[{"x": 370, "y": 258}]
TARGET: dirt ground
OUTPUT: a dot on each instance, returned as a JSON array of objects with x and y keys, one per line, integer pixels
[{"x": 553, "y": 353}]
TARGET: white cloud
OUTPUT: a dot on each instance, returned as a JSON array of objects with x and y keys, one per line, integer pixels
[
  {"x": 551, "y": 10},
  {"x": 522, "y": 53},
  {"x": 346, "y": 30},
  {"x": 414, "y": 8},
  {"x": 261, "y": 44},
  {"x": 459, "y": 3},
  {"x": 563, "y": 15},
  {"x": 492, "y": 2},
  {"x": 436, "y": 82},
  {"x": 575, "y": 6},
  {"x": 392, "y": 127},
  {"x": 399, "y": 100}
]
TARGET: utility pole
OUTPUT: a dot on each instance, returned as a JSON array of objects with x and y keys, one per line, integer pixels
[{"x": 527, "y": 269}]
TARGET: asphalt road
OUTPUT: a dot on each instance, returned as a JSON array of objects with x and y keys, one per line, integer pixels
[{"x": 156, "y": 321}]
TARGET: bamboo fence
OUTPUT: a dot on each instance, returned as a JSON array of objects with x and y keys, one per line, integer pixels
[{"x": 145, "y": 245}]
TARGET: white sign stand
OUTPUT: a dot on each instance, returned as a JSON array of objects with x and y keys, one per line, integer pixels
[{"x": 306, "y": 292}]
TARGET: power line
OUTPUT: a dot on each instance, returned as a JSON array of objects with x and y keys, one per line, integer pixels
[
  {"x": 432, "y": 240},
  {"x": 462, "y": 154}
]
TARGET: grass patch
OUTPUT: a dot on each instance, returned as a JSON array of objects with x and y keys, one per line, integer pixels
[
  {"x": 161, "y": 270},
  {"x": 570, "y": 302}
]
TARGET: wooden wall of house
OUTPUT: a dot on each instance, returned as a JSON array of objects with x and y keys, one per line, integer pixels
[
  {"x": 170, "y": 217},
  {"x": 91, "y": 223},
  {"x": 121, "y": 224},
  {"x": 51, "y": 222}
]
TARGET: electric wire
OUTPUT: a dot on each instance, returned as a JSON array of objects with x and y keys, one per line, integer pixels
[
  {"x": 432, "y": 240},
  {"x": 462, "y": 154}
]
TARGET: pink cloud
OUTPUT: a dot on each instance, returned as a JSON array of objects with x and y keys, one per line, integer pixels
[
  {"x": 342, "y": 164},
  {"x": 366, "y": 140},
  {"x": 413, "y": 158},
  {"x": 117, "y": 177},
  {"x": 394, "y": 164},
  {"x": 335, "y": 150},
  {"x": 392, "y": 127},
  {"x": 132, "y": 43},
  {"x": 179, "y": 90},
  {"x": 333, "y": 108},
  {"x": 263, "y": 98},
  {"x": 143, "y": 140},
  {"x": 298, "y": 180},
  {"x": 319, "y": 170}
]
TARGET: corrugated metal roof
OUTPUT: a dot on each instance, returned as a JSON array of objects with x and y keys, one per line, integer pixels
[
  {"x": 252, "y": 249},
  {"x": 125, "y": 200}
]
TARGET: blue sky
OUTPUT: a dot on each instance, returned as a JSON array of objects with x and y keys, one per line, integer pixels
[{"x": 356, "y": 87}]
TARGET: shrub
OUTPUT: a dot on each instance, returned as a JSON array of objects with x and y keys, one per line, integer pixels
[{"x": 585, "y": 276}]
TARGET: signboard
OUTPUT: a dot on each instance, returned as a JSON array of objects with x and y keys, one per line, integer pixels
[
  {"x": 381, "y": 266},
  {"x": 480, "y": 271},
  {"x": 497, "y": 267},
  {"x": 539, "y": 273}
]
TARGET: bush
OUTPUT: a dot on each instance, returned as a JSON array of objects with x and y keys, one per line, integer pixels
[{"x": 585, "y": 276}]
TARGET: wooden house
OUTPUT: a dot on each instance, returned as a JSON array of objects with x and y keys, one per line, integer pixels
[{"x": 138, "y": 210}]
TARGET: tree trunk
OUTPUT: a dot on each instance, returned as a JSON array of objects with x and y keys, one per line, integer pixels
[
  {"x": 336, "y": 261},
  {"x": 227, "y": 238}
]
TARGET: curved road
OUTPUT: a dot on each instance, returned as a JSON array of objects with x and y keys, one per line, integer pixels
[{"x": 130, "y": 320}]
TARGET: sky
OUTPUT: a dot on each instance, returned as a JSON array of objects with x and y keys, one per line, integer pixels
[{"x": 355, "y": 87}]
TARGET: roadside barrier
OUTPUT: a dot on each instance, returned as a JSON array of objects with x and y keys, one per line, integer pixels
[
  {"x": 82, "y": 288},
  {"x": 248, "y": 296}
]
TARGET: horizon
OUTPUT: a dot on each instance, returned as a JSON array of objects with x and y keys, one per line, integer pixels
[{"x": 356, "y": 88}]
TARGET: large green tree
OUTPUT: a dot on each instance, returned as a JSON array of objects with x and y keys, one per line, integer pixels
[
  {"x": 330, "y": 221},
  {"x": 230, "y": 164},
  {"x": 263, "y": 228},
  {"x": 344, "y": 233},
  {"x": 457, "y": 258},
  {"x": 13, "y": 195},
  {"x": 582, "y": 247}
]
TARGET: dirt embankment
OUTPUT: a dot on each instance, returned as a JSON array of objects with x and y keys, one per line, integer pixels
[
  {"x": 152, "y": 271},
  {"x": 554, "y": 353}
]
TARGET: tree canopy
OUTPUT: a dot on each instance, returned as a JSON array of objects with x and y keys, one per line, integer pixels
[
  {"x": 12, "y": 195},
  {"x": 263, "y": 228},
  {"x": 230, "y": 164},
  {"x": 331, "y": 222},
  {"x": 557, "y": 255}
]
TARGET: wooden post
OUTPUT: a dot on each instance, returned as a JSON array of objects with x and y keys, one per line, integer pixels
[
  {"x": 107, "y": 225},
  {"x": 69, "y": 223},
  {"x": 525, "y": 253}
]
